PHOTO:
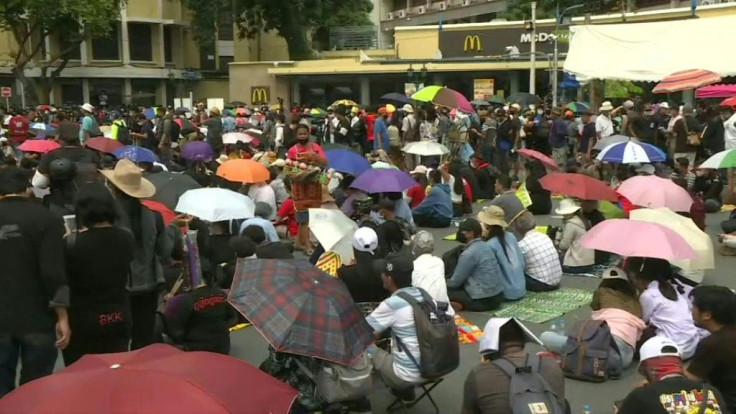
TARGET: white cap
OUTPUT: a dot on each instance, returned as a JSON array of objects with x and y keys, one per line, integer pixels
[
  {"x": 365, "y": 239},
  {"x": 664, "y": 105},
  {"x": 88, "y": 107},
  {"x": 408, "y": 108},
  {"x": 614, "y": 273},
  {"x": 655, "y": 347},
  {"x": 420, "y": 169}
]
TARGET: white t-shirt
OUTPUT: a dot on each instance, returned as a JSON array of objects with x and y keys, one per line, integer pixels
[
  {"x": 429, "y": 274},
  {"x": 456, "y": 198},
  {"x": 604, "y": 126},
  {"x": 729, "y": 132},
  {"x": 265, "y": 194}
]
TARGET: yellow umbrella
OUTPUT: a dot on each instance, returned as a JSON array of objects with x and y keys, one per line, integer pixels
[
  {"x": 390, "y": 108},
  {"x": 685, "y": 227},
  {"x": 346, "y": 102}
]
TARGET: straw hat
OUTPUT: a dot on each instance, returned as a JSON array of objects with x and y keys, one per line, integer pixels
[
  {"x": 128, "y": 177},
  {"x": 408, "y": 109},
  {"x": 567, "y": 206},
  {"x": 606, "y": 106},
  {"x": 492, "y": 216}
]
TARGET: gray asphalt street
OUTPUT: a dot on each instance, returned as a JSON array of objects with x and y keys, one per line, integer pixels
[{"x": 247, "y": 344}]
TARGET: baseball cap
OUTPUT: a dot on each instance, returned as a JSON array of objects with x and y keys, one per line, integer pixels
[
  {"x": 365, "y": 239},
  {"x": 664, "y": 105},
  {"x": 420, "y": 169},
  {"x": 614, "y": 273},
  {"x": 396, "y": 264},
  {"x": 658, "y": 346}
]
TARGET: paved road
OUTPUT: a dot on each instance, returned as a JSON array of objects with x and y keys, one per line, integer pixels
[{"x": 248, "y": 344}]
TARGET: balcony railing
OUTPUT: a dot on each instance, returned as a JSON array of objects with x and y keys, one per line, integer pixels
[{"x": 353, "y": 37}]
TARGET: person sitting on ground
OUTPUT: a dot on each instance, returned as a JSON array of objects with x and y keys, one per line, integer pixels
[
  {"x": 487, "y": 388},
  {"x": 714, "y": 309},
  {"x": 262, "y": 213},
  {"x": 266, "y": 249},
  {"x": 475, "y": 284},
  {"x": 436, "y": 209},
  {"x": 507, "y": 199},
  {"x": 541, "y": 198},
  {"x": 417, "y": 193},
  {"x": 709, "y": 187},
  {"x": 360, "y": 276},
  {"x": 542, "y": 269},
  {"x": 396, "y": 369},
  {"x": 200, "y": 320},
  {"x": 664, "y": 304},
  {"x": 667, "y": 390},
  {"x": 457, "y": 189},
  {"x": 486, "y": 175},
  {"x": 577, "y": 259},
  {"x": 285, "y": 223},
  {"x": 391, "y": 238},
  {"x": 682, "y": 171},
  {"x": 506, "y": 250},
  {"x": 616, "y": 302},
  {"x": 429, "y": 270}
]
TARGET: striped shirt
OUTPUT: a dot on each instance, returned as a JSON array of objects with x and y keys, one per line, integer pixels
[{"x": 397, "y": 314}]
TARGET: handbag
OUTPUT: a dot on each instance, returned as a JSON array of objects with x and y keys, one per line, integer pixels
[
  {"x": 693, "y": 138},
  {"x": 335, "y": 382}
]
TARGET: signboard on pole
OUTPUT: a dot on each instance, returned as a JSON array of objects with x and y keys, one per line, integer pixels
[
  {"x": 6, "y": 92},
  {"x": 483, "y": 89}
]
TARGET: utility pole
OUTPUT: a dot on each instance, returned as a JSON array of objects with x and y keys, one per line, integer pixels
[
  {"x": 556, "y": 40},
  {"x": 533, "y": 51}
]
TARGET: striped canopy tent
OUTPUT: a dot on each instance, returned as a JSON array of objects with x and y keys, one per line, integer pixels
[{"x": 686, "y": 80}]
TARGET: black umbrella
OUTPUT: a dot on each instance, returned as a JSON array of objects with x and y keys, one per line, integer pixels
[
  {"x": 170, "y": 186},
  {"x": 524, "y": 99},
  {"x": 396, "y": 98},
  {"x": 237, "y": 103}
]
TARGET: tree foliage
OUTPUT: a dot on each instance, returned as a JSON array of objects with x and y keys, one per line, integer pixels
[
  {"x": 291, "y": 19},
  {"x": 547, "y": 9}
]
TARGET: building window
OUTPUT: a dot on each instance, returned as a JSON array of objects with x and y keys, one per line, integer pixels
[
  {"x": 73, "y": 47},
  {"x": 71, "y": 92},
  {"x": 224, "y": 60},
  {"x": 141, "y": 44},
  {"x": 168, "y": 44},
  {"x": 225, "y": 29},
  {"x": 207, "y": 57},
  {"x": 108, "y": 47}
]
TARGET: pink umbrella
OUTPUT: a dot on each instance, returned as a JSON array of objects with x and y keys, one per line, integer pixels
[
  {"x": 637, "y": 238},
  {"x": 654, "y": 192},
  {"x": 38, "y": 145}
]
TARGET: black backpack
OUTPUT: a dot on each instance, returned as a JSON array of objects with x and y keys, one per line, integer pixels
[
  {"x": 439, "y": 348},
  {"x": 187, "y": 127},
  {"x": 175, "y": 131},
  {"x": 123, "y": 132}
]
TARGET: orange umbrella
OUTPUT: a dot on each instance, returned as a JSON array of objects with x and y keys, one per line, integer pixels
[
  {"x": 243, "y": 171},
  {"x": 685, "y": 80}
]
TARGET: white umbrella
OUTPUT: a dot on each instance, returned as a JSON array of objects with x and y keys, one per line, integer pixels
[
  {"x": 234, "y": 137},
  {"x": 382, "y": 165},
  {"x": 215, "y": 204},
  {"x": 334, "y": 231},
  {"x": 685, "y": 227},
  {"x": 425, "y": 148}
]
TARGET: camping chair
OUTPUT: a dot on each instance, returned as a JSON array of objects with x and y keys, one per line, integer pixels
[{"x": 426, "y": 387}]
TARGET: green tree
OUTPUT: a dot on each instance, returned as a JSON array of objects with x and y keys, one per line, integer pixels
[
  {"x": 31, "y": 22},
  {"x": 291, "y": 19},
  {"x": 547, "y": 9}
]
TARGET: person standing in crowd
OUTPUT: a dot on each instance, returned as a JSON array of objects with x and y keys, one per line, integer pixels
[
  {"x": 488, "y": 389},
  {"x": 475, "y": 284},
  {"x": 728, "y": 115},
  {"x": 90, "y": 128},
  {"x": 714, "y": 309},
  {"x": 214, "y": 130},
  {"x": 19, "y": 130},
  {"x": 587, "y": 137},
  {"x": 558, "y": 137},
  {"x": 35, "y": 295},
  {"x": 506, "y": 135},
  {"x": 603, "y": 123},
  {"x": 165, "y": 131},
  {"x": 152, "y": 247},
  {"x": 661, "y": 366},
  {"x": 99, "y": 314},
  {"x": 66, "y": 131},
  {"x": 380, "y": 130},
  {"x": 683, "y": 127}
]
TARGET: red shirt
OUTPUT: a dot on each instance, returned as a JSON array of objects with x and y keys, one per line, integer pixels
[
  {"x": 18, "y": 129},
  {"x": 300, "y": 149},
  {"x": 468, "y": 191},
  {"x": 288, "y": 212},
  {"x": 370, "y": 122},
  {"x": 417, "y": 195}
]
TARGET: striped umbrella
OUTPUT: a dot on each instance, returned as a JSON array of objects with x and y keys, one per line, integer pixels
[
  {"x": 631, "y": 152},
  {"x": 723, "y": 159},
  {"x": 686, "y": 80}
]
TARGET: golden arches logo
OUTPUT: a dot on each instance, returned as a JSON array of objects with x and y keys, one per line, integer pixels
[
  {"x": 259, "y": 95},
  {"x": 472, "y": 43}
]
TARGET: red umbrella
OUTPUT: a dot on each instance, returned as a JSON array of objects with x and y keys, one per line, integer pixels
[
  {"x": 729, "y": 102},
  {"x": 38, "y": 145},
  {"x": 536, "y": 155},
  {"x": 579, "y": 186},
  {"x": 102, "y": 144},
  {"x": 168, "y": 215},
  {"x": 686, "y": 80},
  {"x": 156, "y": 379}
]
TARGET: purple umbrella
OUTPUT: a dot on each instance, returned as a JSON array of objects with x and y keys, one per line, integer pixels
[
  {"x": 383, "y": 181},
  {"x": 197, "y": 151}
]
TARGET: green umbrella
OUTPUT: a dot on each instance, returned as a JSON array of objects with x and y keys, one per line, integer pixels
[
  {"x": 495, "y": 99},
  {"x": 439, "y": 95},
  {"x": 318, "y": 112}
]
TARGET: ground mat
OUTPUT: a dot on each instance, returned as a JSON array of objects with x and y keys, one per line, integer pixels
[
  {"x": 540, "y": 307},
  {"x": 598, "y": 270}
]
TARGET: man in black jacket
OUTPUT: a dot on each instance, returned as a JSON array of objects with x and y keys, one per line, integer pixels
[{"x": 34, "y": 295}]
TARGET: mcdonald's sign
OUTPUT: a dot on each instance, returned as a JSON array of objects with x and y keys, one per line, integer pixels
[
  {"x": 260, "y": 95},
  {"x": 472, "y": 42}
]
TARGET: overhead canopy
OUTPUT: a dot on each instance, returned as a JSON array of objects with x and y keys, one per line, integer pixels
[
  {"x": 716, "y": 91},
  {"x": 651, "y": 51}
]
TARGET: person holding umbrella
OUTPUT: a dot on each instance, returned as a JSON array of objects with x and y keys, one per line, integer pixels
[{"x": 153, "y": 246}]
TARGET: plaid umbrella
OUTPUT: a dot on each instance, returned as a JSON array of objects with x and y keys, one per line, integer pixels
[
  {"x": 300, "y": 309},
  {"x": 685, "y": 80}
]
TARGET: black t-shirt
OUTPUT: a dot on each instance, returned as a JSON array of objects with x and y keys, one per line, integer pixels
[
  {"x": 643, "y": 126},
  {"x": 715, "y": 361},
  {"x": 669, "y": 395},
  {"x": 201, "y": 319},
  {"x": 587, "y": 135},
  {"x": 363, "y": 280},
  {"x": 506, "y": 134}
]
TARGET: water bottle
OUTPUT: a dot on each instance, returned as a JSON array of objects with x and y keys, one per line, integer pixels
[
  {"x": 562, "y": 326},
  {"x": 587, "y": 410}
]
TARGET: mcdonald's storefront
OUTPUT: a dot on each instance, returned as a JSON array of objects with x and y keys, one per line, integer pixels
[{"x": 476, "y": 59}]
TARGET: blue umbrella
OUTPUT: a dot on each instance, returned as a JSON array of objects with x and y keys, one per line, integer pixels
[
  {"x": 347, "y": 162},
  {"x": 135, "y": 154},
  {"x": 383, "y": 181},
  {"x": 394, "y": 97},
  {"x": 631, "y": 152},
  {"x": 149, "y": 113},
  {"x": 569, "y": 81}
]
